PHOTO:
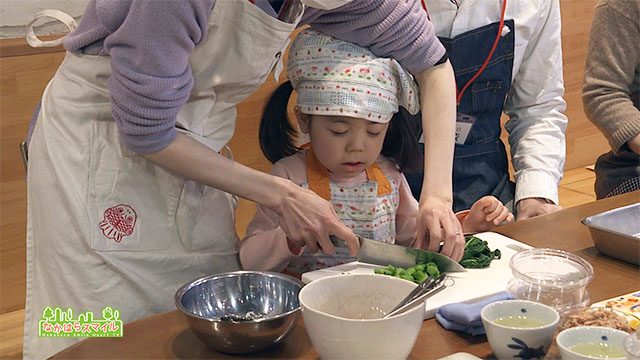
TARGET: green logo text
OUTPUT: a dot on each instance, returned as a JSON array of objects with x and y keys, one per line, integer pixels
[{"x": 56, "y": 322}]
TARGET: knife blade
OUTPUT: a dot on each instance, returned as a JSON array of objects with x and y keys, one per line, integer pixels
[{"x": 381, "y": 253}]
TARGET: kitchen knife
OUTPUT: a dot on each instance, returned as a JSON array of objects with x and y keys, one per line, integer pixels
[{"x": 381, "y": 253}]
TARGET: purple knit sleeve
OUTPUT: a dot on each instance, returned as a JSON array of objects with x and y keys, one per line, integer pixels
[
  {"x": 391, "y": 28},
  {"x": 149, "y": 44}
]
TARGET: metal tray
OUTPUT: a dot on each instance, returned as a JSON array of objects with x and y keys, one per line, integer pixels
[{"x": 616, "y": 232}]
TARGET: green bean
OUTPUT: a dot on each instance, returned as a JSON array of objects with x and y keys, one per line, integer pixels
[{"x": 417, "y": 273}]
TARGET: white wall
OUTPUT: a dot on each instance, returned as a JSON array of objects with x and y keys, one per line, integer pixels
[{"x": 15, "y": 14}]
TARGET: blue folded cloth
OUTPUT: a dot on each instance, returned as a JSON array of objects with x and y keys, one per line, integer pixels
[{"x": 466, "y": 317}]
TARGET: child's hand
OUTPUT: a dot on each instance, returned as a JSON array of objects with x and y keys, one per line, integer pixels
[{"x": 486, "y": 213}]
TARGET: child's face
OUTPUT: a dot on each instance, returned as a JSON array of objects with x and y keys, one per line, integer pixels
[{"x": 345, "y": 145}]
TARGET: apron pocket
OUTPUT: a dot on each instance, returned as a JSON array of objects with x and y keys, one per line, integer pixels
[
  {"x": 486, "y": 97},
  {"x": 206, "y": 219},
  {"x": 132, "y": 202}
]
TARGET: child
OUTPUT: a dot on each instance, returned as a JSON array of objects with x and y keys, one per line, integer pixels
[{"x": 348, "y": 101}]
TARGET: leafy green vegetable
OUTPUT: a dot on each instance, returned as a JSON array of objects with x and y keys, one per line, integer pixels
[
  {"x": 417, "y": 273},
  {"x": 477, "y": 254}
]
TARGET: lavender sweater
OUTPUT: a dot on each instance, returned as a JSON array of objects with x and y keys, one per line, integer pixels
[{"x": 149, "y": 43}]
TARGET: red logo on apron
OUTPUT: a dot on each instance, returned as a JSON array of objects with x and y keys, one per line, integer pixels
[{"x": 118, "y": 222}]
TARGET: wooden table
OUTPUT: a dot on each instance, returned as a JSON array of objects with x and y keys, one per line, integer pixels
[{"x": 167, "y": 336}]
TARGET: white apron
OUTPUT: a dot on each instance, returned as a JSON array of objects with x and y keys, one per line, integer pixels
[
  {"x": 105, "y": 227},
  {"x": 368, "y": 208}
]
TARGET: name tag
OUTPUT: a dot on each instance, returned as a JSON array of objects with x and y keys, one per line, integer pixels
[{"x": 464, "y": 123}]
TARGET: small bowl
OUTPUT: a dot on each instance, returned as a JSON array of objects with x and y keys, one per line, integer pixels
[
  {"x": 241, "y": 312},
  {"x": 519, "y": 328},
  {"x": 343, "y": 317},
  {"x": 594, "y": 338},
  {"x": 553, "y": 277},
  {"x": 595, "y": 316},
  {"x": 631, "y": 345}
]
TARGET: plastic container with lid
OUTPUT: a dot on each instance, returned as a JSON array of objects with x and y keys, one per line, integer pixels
[{"x": 553, "y": 277}]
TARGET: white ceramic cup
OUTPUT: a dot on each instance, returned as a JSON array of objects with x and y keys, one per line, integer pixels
[
  {"x": 510, "y": 342},
  {"x": 598, "y": 335}
]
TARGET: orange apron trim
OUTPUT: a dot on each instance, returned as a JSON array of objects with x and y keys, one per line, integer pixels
[
  {"x": 375, "y": 173},
  {"x": 318, "y": 177}
]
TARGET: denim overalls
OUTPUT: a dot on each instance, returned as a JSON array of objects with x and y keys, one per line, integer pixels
[{"x": 480, "y": 164}]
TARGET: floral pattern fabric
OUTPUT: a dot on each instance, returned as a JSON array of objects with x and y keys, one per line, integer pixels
[
  {"x": 335, "y": 77},
  {"x": 359, "y": 207}
]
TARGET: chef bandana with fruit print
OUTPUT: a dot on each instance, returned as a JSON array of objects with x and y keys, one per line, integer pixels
[{"x": 335, "y": 77}]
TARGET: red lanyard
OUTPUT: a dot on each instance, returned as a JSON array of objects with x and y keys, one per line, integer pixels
[{"x": 486, "y": 61}]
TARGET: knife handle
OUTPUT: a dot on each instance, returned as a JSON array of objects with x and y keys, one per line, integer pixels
[{"x": 337, "y": 242}]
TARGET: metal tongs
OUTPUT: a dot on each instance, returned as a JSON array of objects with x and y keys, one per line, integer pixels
[{"x": 430, "y": 286}]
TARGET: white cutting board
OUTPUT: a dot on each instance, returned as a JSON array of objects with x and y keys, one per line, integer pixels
[{"x": 469, "y": 286}]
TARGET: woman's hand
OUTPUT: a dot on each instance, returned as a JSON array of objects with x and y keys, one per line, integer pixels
[
  {"x": 486, "y": 213},
  {"x": 436, "y": 220},
  {"x": 308, "y": 220},
  {"x": 437, "y": 223}
]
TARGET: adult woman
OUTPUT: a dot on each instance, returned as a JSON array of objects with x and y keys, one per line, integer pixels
[{"x": 125, "y": 181}]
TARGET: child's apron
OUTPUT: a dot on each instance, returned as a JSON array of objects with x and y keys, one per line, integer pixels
[
  {"x": 368, "y": 208},
  {"x": 105, "y": 226}
]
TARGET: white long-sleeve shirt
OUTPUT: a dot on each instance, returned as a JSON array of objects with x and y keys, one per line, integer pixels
[{"x": 535, "y": 103}]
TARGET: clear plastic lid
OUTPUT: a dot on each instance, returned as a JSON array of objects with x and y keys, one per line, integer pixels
[{"x": 551, "y": 268}]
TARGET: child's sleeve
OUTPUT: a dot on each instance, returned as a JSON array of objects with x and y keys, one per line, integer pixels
[
  {"x": 406, "y": 225},
  {"x": 264, "y": 247}
]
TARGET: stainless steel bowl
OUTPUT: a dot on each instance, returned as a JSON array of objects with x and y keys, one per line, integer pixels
[{"x": 241, "y": 312}]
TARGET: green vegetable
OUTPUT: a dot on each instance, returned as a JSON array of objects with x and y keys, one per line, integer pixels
[
  {"x": 432, "y": 269},
  {"x": 417, "y": 273},
  {"x": 477, "y": 254}
]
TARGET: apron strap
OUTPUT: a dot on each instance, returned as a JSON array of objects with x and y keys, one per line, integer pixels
[
  {"x": 375, "y": 173},
  {"x": 318, "y": 177},
  {"x": 63, "y": 17}
]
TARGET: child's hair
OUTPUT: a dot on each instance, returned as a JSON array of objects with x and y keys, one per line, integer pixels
[{"x": 277, "y": 135}]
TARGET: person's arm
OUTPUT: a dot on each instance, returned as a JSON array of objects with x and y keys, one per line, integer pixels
[
  {"x": 436, "y": 220},
  {"x": 536, "y": 125},
  {"x": 395, "y": 29},
  {"x": 149, "y": 45},
  {"x": 401, "y": 30},
  {"x": 303, "y": 216},
  {"x": 151, "y": 79},
  {"x": 613, "y": 58},
  {"x": 265, "y": 246},
  {"x": 406, "y": 225}
]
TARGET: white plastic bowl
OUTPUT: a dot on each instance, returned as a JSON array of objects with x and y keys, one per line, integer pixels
[
  {"x": 343, "y": 317},
  {"x": 599, "y": 335}
]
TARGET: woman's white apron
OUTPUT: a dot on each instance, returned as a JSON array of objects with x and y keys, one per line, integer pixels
[{"x": 105, "y": 227}]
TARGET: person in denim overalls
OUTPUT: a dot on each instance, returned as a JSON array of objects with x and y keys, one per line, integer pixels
[{"x": 511, "y": 81}]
